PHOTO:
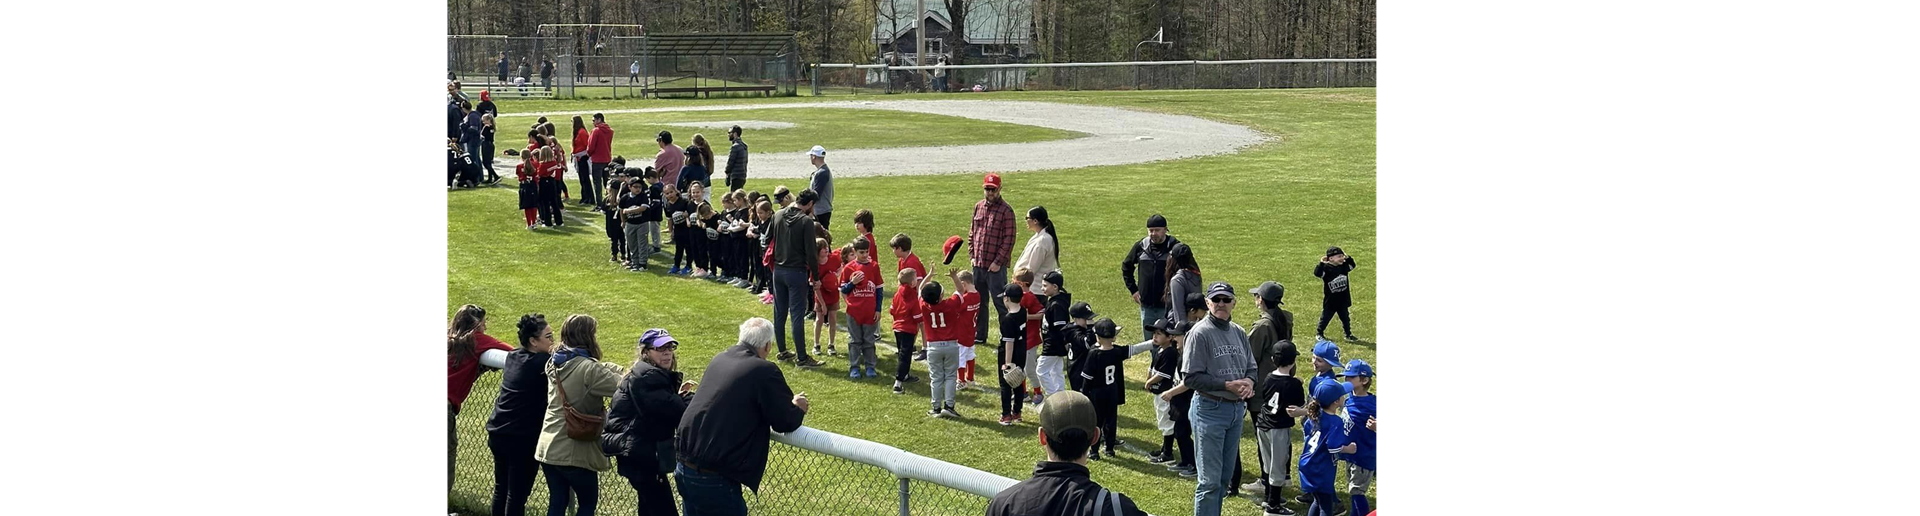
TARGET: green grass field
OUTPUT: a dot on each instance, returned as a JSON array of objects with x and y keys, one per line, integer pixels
[
  {"x": 1267, "y": 213},
  {"x": 837, "y": 128}
]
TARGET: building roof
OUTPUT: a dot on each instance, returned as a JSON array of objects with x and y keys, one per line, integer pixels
[{"x": 991, "y": 22}]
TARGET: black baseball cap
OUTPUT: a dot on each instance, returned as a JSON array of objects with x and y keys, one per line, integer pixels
[
  {"x": 1271, "y": 291},
  {"x": 1180, "y": 328},
  {"x": 1158, "y": 325},
  {"x": 1195, "y": 301},
  {"x": 1055, "y": 278},
  {"x": 1014, "y": 293},
  {"x": 1335, "y": 250},
  {"x": 1105, "y": 328},
  {"x": 1220, "y": 288},
  {"x": 1081, "y": 310},
  {"x": 1285, "y": 353}
]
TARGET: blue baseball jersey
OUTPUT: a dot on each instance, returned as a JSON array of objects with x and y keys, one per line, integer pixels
[
  {"x": 1359, "y": 408},
  {"x": 1324, "y": 433},
  {"x": 1317, "y": 379}
]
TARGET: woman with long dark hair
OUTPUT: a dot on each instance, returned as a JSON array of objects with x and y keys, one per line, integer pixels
[
  {"x": 580, "y": 139},
  {"x": 1042, "y": 254},
  {"x": 1183, "y": 273},
  {"x": 513, "y": 431},
  {"x": 580, "y": 383},
  {"x": 467, "y": 339},
  {"x": 699, "y": 168},
  {"x": 641, "y": 420}
]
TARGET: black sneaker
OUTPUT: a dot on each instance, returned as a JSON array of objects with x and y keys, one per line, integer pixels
[
  {"x": 810, "y": 362},
  {"x": 1278, "y": 511},
  {"x": 934, "y": 413},
  {"x": 950, "y": 412},
  {"x": 1155, "y": 457},
  {"x": 1094, "y": 456},
  {"x": 897, "y": 389},
  {"x": 1303, "y": 499},
  {"x": 786, "y": 356},
  {"x": 910, "y": 379},
  {"x": 1188, "y": 472},
  {"x": 1351, "y": 338},
  {"x": 920, "y": 356}
]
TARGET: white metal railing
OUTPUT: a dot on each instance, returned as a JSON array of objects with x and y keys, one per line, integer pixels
[{"x": 902, "y": 464}]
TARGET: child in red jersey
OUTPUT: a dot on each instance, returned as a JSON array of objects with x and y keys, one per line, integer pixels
[
  {"x": 967, "y": 367},
  {"x": 860, "y": 280},
  {"x": 826, "y": 295},
  {"x": 949, "y": 322},
  {"x": 907, "y": 316}
]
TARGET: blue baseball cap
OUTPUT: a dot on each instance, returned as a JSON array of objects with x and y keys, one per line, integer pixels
[
  {"x": 1328, "y": 392},
  {"x": 1358, "y": 367},
  {"x": 1328, "y": 351},
  {"x": 657, "y": 338}
]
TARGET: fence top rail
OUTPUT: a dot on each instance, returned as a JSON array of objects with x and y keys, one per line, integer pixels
[
  {"x": 1099, "y": 64},
  {"x": 900, "y": 463},
  {"x": 478, "y": 36}
]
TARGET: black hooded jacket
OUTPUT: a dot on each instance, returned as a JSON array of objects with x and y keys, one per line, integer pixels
[
  {"x": 1061, "y": 489},
  {"x": 645, "y": 409}
]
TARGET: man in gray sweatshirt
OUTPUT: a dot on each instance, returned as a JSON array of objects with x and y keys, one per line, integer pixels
[
  {"x": 821, "y": 183},
  {"x": 1218, "y": 364}
]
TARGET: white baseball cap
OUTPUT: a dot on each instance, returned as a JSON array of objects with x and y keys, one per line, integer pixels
[{"x": 818, "y": 151}]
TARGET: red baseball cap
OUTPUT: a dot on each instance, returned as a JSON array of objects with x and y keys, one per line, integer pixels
[
  {"x": 993, "y": 180},
  {"x": 952, "y": 246}
]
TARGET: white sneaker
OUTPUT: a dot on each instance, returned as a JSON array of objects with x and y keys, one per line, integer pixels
[{"x": 1253, "y": 488}]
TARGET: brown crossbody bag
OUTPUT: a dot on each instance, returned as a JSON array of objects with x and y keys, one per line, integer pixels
[{"x": 580, "y": 425}]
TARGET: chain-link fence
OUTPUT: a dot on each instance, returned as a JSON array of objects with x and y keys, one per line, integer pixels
[
  {"x": 1137, "y": 75},
  {"x": 627, "y": 67},
  {"x": 799, "y": 481}
]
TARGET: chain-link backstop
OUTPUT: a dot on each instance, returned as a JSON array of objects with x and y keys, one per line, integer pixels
[{"x": 1134, "y": 75}]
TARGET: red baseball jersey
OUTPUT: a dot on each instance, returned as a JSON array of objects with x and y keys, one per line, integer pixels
[{"x": 952, "y": 318}]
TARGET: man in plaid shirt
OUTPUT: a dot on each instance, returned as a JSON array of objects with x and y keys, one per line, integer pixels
[{"x": 991, "y": 251}]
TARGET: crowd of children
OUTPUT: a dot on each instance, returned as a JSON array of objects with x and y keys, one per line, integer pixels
[{"x": 1049, "y": 342}]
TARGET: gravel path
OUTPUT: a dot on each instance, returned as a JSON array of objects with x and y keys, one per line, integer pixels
[{"x": 1114, "y": 137}]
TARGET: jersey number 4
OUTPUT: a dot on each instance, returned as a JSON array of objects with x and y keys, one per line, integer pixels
[{"x": 1273, "y": 404}]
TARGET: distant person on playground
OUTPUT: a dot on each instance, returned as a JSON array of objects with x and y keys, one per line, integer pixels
[
  {"x": 502, "y": 65},
  {"x": 633, "y": 72},
  {"x": 669, "y": 160},
  {"x": 579, "y": 70},
  {"x": 1333, "y": 272},
  {"x": 721, "y": 442},
  {"x": 1062, "y": 485},
  {"x": 736, "y": 160},
  {"x": 546, "y": 73}
]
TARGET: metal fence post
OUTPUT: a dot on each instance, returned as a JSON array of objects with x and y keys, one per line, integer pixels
[
  {"x": 816, "y": 80},
  {"x": 904, "y": 497}
]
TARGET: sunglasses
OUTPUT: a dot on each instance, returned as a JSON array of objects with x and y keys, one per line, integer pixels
[{"x": 1222, "y": 299}]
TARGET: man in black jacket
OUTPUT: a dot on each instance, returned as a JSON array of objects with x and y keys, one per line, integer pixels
[
  {"x": 1150, "y": 255},
  {"x": 1061, "y": 486},
  {"x": 736, "y": 161},
  {"x": 795, "y": 272},
  {"x": 721, "y": 443}
]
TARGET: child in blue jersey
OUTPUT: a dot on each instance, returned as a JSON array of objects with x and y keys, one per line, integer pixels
[
  {"x": 1326, "y": 357},
  {"x": 1326, "y": 434},
  {"x": 1361, "y": 409}
]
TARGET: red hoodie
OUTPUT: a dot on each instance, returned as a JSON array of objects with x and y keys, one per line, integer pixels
[
  {"x": 600, "y": 145},
  {"x": 460, "y": 378}
]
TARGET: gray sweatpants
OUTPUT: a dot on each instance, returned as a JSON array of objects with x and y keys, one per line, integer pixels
[
  {"x": 653, "y": 233},
  {"x": 943, "y": 371},
  {"x": 637, "y": 249},
  {"x": 860, "y": 339},
  {"x": 1276, "y": 454}
]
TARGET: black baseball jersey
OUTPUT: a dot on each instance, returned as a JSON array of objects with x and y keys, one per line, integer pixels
[{"x": 1104, "y": 373}]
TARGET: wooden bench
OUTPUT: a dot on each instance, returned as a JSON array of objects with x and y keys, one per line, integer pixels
[
  {"x": 513, "y": 92},
  {"x": 709, "y": 90}
]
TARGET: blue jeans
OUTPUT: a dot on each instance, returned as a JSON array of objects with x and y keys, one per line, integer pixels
[
  {"x": 1216, "y": 434},
  {"x": 565, "y": 480},
  {"x": 790, "y": 291},
  {"x": 1147, "y": 315},
  {"x": 702, "y": 494},
  {"x": 986, "y": 283}
]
